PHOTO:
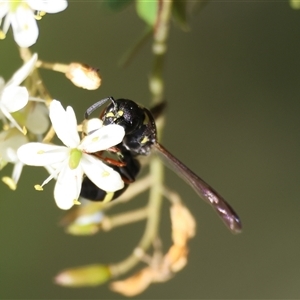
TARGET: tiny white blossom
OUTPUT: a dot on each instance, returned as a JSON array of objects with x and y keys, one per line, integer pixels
[
  {"x": 12, "y": 96},
  {"x": 37, "y": 120},
  {"x": 20, "y": 15},
  {"x": 10, "y": 141},
  {"x": 70, "y": 162}
]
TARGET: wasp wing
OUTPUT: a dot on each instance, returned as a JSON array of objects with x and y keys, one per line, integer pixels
[{"x": 206, "y": 192}]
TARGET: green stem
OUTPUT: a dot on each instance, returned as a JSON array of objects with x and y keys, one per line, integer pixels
[
  {"x": 121, "y": 219},
  {"x": 159, "y": 48},
  {"x": 156, "y": 85}
]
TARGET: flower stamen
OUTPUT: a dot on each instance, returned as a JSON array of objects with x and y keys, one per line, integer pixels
[
  {"x": 2, "y": 35},
  {"x": 9, "y": 182},
  {"x": 38, "y": 187},
  {"x": 76, "y": 202},
  {"x": 52, "y": 175}
]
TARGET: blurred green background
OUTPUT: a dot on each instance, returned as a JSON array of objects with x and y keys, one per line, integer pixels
[{"x": 232, "y": 84}]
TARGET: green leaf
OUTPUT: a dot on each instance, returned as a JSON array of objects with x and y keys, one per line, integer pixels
[
  {"x": 147, "y": 11},
  {"x": 295, "y": 4},
  {"x": 179, "y": 13}
]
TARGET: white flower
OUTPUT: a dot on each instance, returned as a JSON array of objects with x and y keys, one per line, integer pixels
[
  {"x": 20, "y": 14},
  {"x": 37, "y": 117},
  {"x": 12, "y": 96},
  {"x": 71, "y": 161},
  {"x": 10, "y": 141}
]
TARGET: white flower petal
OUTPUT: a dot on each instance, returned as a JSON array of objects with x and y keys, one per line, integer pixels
[
  {"x": 48, "y": 6},
  {"x": 51, "y": 169},
  {"x": 68, "y": 186},
  {"x": 72, "y": 124},
  {"x": 37, "y": 121},
  {"x": 64, "y": 124},
  {"x": 11, "y": 140},
  {"x": 24, "y": 26},
  {"x": 6, "y": 113},
  {"x": 100, "y": 174},
  {"x": 6, "y": 23},
  {"x": 39, "y": 154},
  {"x": 102, "y": 139},
  {"x": 17, "y": 171},
  {"x": 91, "y": 125},
  {"x": 11, "y": 155},
  {"x": 4, "y": 7},
  {"x": 23, "y": 72},
  {"x": 14, "y": 98}
]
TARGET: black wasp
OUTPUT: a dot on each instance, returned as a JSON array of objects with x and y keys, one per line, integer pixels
[{"x": 140, "y": 138}]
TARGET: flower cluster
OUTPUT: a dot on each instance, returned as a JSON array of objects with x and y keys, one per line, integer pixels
[
  {"x": 15, "y": 117},
  {"x": 20, "y": 14},
  {"x": 21, "y": 112},
  {"x": 69, "y": 163}
]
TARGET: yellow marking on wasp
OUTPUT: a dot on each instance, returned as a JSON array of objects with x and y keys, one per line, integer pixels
[
  {"x": 146, "y": 120},
  {"x": 145, "y": 140},
  {"x": 120, "y": 113},
  {"x": 109, "y": 114}
]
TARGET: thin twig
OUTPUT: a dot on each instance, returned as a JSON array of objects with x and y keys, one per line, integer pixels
[{"x": 156, "y": 84}]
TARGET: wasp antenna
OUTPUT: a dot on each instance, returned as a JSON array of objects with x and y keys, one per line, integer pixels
[
  {"x": 96, "y": 105},
  {"x": 113, "y": 102}
]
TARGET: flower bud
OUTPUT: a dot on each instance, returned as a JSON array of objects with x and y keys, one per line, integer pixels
[
  {"x": 86, "y": 224},
  {"x": 83, "y": 76},
  {"x": 90, "y": 275},
  {"x": 183, "y": 224},
  {"x": 89, "y": 229},
  {"x": 135, "y": 284}
]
